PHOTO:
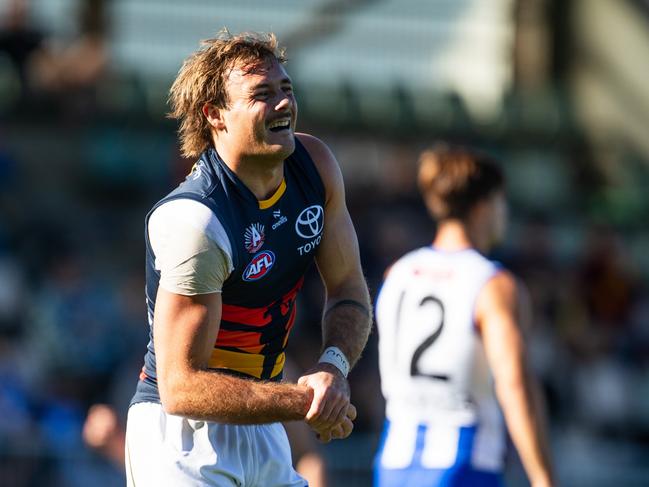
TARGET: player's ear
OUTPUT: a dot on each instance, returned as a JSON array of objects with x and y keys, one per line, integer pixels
[
  {"x": 479, "y": 215},
  {"x": 214, "y": 116},
  {"x": 479, "y": 210}
]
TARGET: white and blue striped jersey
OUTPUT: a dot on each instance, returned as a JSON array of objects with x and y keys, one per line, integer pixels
[{"x": 441, "y": 409}]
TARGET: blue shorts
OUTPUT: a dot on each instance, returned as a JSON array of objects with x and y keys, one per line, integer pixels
[{"x": 460, "y": 474}]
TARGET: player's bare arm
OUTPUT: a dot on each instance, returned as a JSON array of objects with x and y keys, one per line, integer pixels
[
  {"x": 185, "y": 329},
  {"x": 497, "y": 314},
  {"x": 347, "y": 312}
]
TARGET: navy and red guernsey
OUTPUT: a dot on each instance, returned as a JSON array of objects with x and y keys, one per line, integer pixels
[{"x": 273, "y": 242}]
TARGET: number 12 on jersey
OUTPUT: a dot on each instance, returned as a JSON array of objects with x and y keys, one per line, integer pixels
[{"x": 422, "y": 318}]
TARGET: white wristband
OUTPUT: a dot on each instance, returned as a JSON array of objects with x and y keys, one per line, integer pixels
[{"x": 335, "y": 357}]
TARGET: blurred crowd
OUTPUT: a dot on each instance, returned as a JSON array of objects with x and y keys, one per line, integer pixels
[
  {"x": 73, "y": 195},
  {"x": 47, "y": 72}
]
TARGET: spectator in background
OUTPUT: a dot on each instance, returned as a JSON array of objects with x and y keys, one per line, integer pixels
[
  {"x": 102, "y": 431},
  {"x": 601, "y": 335},
  {"x": 19, "y": 41},
  {"x": 606, "y": 285},
  {"x": 74, "y": 69},
  {"x": 69, "y": 70}
]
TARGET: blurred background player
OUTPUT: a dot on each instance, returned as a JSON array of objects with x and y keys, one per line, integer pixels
[
  {"x": 227, "y": 252},
  {"x": 451, "y": 348}
]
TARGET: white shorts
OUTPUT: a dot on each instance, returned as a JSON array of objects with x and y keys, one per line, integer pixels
[{"x": 167, "y": 450}]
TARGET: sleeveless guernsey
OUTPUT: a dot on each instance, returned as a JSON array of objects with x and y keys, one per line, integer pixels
[{"x": 272, "y": 243}]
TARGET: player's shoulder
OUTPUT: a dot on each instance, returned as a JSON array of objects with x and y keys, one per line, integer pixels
[
  {"x": 410, "y": 261},
  {"x": 323, "y": 159},
  {"x": 316, "y": 148},
  {"x": 417, "y": 254},
  {"x": 474, "y": 264},
  {"x": 503, "y": 293},
  {"x": 504, "y": 277},
  {"x": 502, "y": 284},
  {"x": 203, "y": 177},
  {"x": 182, "y": 209},
  {"x": 180, "y": 214},
  {"x": 473, "y": 255},
  {"x": 187, "y": 222}
]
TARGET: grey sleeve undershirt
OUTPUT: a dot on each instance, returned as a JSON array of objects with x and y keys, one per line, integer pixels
[{"x": 192, "y": 250}]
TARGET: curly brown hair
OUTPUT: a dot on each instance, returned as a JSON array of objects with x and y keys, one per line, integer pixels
[
  {"x": 202, "y": 79},
  {"x": 452, "y": 179}
]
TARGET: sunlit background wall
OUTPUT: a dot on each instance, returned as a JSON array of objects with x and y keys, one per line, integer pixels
[{"x": 557, "y": 90}]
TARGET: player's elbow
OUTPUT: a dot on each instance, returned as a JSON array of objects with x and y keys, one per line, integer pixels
[
  {"x": 171, "y": 404},
  {"x": 173, "y": 397}
]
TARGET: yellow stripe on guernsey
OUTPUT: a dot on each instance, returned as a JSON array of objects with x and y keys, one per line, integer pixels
[
  {"x": 248, "y": 363},
  {"x": 264, "y": 204}
]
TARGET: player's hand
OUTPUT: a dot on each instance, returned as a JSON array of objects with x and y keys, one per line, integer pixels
[
  {"x": 330, "y": 397},
  {"x": 340, "y": 431}
]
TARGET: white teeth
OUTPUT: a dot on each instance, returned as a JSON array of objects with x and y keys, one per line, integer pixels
[{"x": 280, "y": 123}]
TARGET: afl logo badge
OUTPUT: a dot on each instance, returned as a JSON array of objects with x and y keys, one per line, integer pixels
[
  {"x": 310, "y": 222},
  {"x": 259, "y": 266}
]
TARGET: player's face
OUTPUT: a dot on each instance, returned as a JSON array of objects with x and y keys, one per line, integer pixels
[{"x": 262, "y": 111}]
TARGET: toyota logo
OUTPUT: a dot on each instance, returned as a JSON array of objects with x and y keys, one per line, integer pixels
[{"x": 310, "y": 222}]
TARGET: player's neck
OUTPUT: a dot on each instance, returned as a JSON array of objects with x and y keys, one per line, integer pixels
[
  {"x": 263, "y": 181},
  {"x": 454, "y": 235},
  {"x": 261, "y": 176}
]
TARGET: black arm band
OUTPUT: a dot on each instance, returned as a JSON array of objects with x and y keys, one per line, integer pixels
[{"x": 350, "y": 302}]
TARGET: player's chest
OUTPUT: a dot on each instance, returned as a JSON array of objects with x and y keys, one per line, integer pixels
[{"x": 278, "y": 241}]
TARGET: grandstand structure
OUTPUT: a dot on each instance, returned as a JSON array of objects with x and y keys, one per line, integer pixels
[
  {"x": 442, "y": 64},
  {"x": 433, "y": 51}
]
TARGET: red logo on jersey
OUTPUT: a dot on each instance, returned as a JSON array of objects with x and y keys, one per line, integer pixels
[
  {"x": 259, "y": 266},
  {"x": 254, "y": 237}
]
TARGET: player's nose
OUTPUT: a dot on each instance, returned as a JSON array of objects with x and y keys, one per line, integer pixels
[{"x": 284, "y": 103}]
